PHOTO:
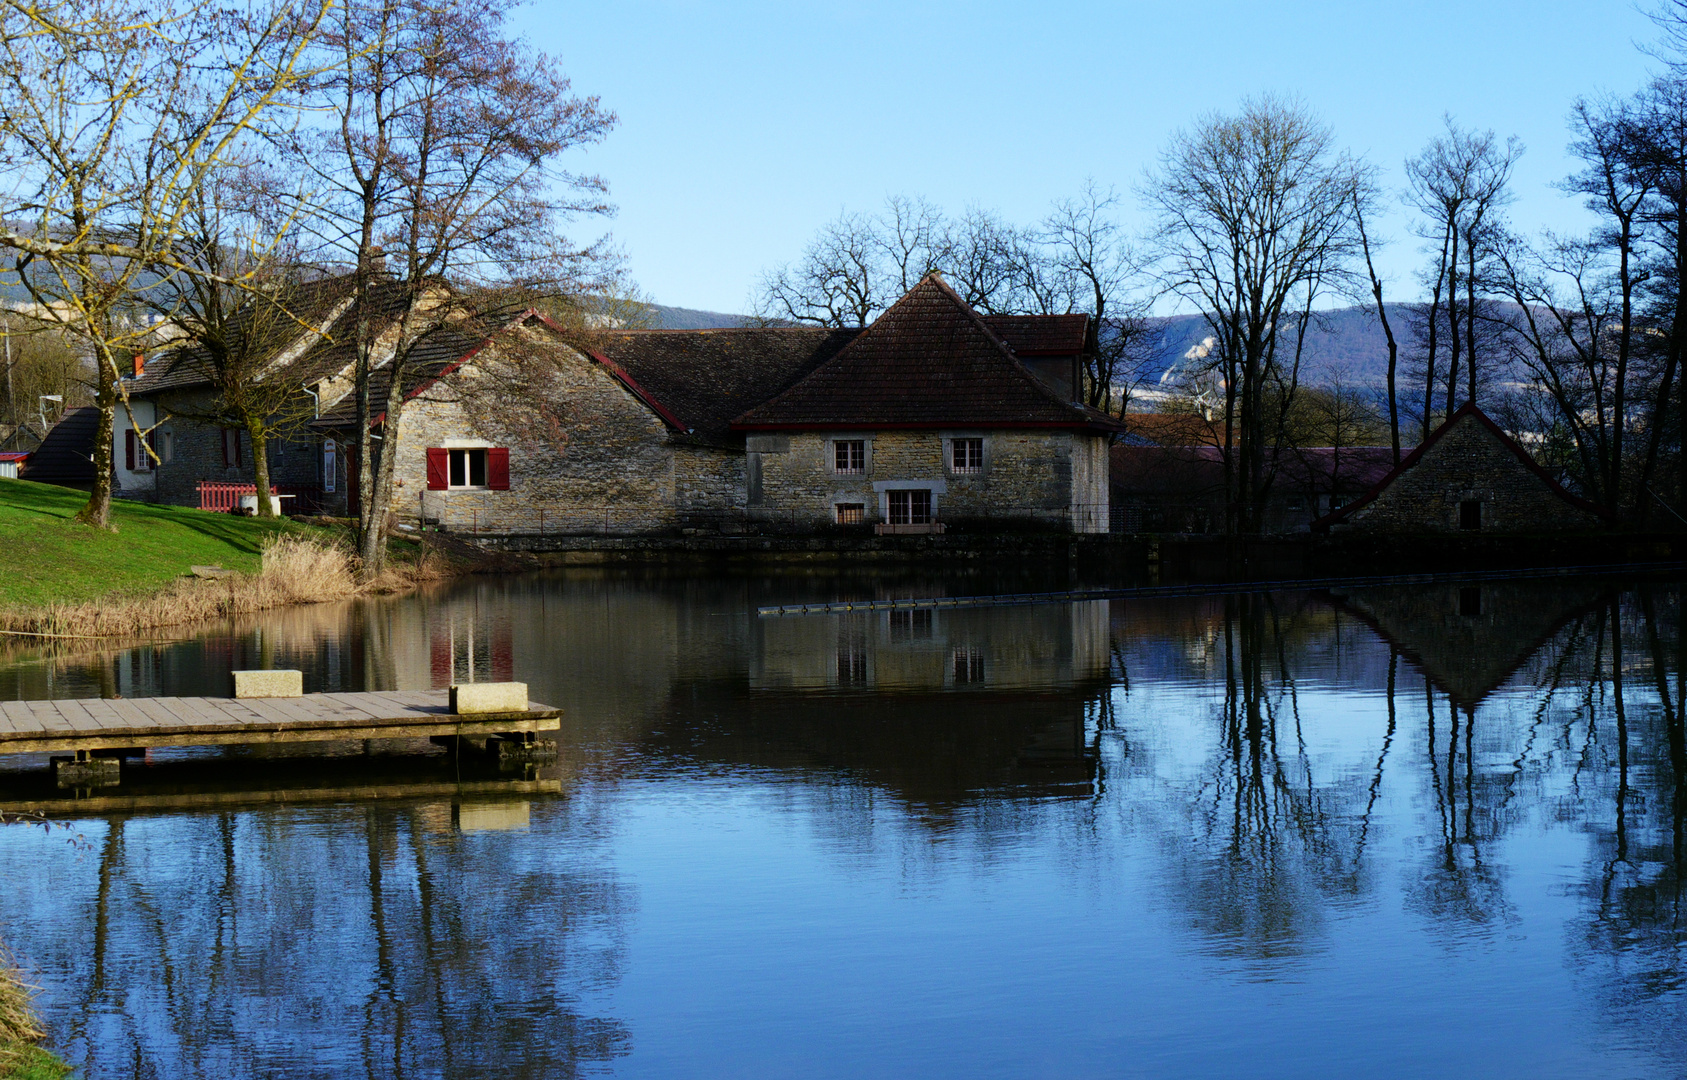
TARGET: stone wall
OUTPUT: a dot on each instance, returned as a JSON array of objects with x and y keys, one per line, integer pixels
[
  {"x": 193, "y": 451},
  {"x": 1468, "y": 463},
  {"x": 585, "y": 455},
  {"x": 1033, "y": 477}
]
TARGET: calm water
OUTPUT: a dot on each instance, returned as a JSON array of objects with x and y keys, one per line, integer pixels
[{"x": 1414, "y": 832}]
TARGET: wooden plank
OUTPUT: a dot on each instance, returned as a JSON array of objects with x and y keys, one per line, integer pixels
[
  {"x": 491, "y": 789},
  {"x": 104, "y": 715},
  {"x": 133, "y": 715},
  {"x": 198, "y": 711},
  {"x": 76, "y": 715},
  {"x": 351, "y": 706},
  {"x": 383, "y": 706},
  {"x": 51, "y": 742},
  {"x": 158, "y": 713}
]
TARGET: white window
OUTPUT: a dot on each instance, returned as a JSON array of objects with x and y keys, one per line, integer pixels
[
  {"x": 966, "y": 455},
  {"x": 849, "y": 456},
  {"x": 909, "y": 507}
]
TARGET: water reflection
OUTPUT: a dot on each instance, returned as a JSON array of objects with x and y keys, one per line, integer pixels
[{"x": 1289, "y": 827}]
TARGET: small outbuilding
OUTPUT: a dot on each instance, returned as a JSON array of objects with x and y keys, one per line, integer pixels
[{"x": 1469, "y": 476}]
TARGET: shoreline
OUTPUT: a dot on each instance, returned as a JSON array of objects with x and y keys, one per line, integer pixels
[
  {"x": 295, "y": 570},
  {"x": 21, "y": 1031}
]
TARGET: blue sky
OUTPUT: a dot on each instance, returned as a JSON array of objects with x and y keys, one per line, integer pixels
[{"x": 745, "y": 125}]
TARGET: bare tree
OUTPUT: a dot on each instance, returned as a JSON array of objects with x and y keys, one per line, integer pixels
[
  {"x": 1256, "y": 218},
  {"x": 439, "y": 163},
  {"x": 1458, "y": 182},
  {"x": 840, "y": 280},
  {"x": 112, "y": 116},
  {"x": 1090, "y": 252},
  {"x": 1365, "y": 199},
  {"x": 244, "y": 341}
]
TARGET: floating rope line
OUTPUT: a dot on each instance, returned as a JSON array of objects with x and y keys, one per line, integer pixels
[{"x": 1229, "y": 588}]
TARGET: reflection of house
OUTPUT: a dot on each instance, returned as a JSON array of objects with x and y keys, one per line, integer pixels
[
  {"x": 1168, "y": 476},
  {"x": 1468, "y": 475},
  {"x": 1470, "y": 639},
  {"x": 927, "y": 649}
]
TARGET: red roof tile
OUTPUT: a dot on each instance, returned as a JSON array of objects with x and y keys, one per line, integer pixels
[
  {"x": 1041, "y": 335},
  {"x": 928, "y": 361}
]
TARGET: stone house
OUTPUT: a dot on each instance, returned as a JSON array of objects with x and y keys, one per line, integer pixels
[
  {"x": 1468, "y": 476},
  {"x": 934, "y": 416},
  {"x": 929, "y": 419},
  {"x": 203, "y": 461},
  {"x": 520, "y": 431},
  {"x": 527, "y": 429}
]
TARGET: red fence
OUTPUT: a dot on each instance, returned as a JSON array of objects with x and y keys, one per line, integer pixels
[{"x": 223, "y": 497}]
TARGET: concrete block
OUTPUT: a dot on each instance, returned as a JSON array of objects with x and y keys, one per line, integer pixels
[
  {"x": 489, "y": 697},
  {"x": 258, "y": 684}
]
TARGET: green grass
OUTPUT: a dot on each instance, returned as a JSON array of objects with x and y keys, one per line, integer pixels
[
  {"x": 36, "y": 1064},
  {"x": 47, "y": 558}
]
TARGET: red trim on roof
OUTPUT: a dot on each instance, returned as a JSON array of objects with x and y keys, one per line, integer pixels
[
  {"x": 1335, "y": 517},
  {"x": 638, "y": 391},
  {"x": 533, "y": 313}
]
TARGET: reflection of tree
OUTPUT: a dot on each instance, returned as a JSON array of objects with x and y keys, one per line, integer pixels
[
  {"x": 1634, "y": 939},
  {"x": 1274, "y": 844},
  {"x": 352, "y": 941}
]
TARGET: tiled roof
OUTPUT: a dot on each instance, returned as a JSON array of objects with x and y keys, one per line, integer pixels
[
  {"x": 928, "y": 361},
  {"x": 1174, "y": 429},
  {"x": 1041, "y": 335},
  {"x": 65, "y": 456},
  {"x": 1196, "y": 470},
  {"x": 312, "y": 304},
  {"x": 433, "y": 356},
  {"x": 706, "y": 378}
]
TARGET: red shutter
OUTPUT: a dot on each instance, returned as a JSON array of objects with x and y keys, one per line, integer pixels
[
  {"x": 439, "y": 468},
  {"x": 234, "y": 436},
  {"x": 498, "y": 468},
  {"x": 228, "y": 459},
  {"x": 129, "y": 449}
]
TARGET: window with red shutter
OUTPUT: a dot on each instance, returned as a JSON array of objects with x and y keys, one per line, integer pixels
[
  {"x": 439, "y": 468},
  {"x": 129, "y": 449},
  {"x": 498, "y": 468}
]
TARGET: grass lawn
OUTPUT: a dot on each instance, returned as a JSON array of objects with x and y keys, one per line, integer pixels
[
  {"x": 36, "y": 1064},
  {"x": 45, "y": 557}
]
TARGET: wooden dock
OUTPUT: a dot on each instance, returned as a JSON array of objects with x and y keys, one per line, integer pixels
[{"x": 89, "y": 725}]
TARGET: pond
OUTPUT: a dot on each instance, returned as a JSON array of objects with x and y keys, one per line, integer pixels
[{"x": 1404, "y": 831}]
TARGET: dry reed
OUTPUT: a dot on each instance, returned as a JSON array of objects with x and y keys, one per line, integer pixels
[
  {"x": 20, "y": 1028},
  {"x": 296, "y": 570}
]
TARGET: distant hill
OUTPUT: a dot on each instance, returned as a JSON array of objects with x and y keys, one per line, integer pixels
[
  {"x": 1349, "y": 340},
  {"x": 680, "y": 318}
]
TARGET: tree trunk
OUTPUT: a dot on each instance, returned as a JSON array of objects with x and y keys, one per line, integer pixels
[
  {"x": 97, "y": 512},
  {"x": 1453, "y": 320},
  {"x": 258, "y": 435},
  {"x": 1470, "y": 315}
]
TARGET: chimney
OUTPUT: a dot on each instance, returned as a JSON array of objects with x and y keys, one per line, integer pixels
[{"x": 140, "y": 364}]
